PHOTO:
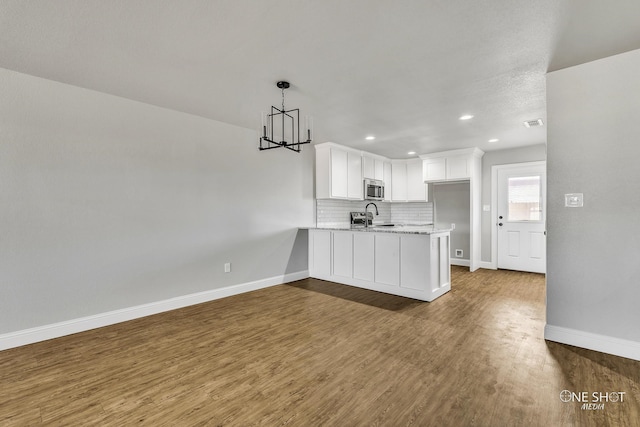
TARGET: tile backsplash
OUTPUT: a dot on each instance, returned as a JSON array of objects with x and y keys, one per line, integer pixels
[{"x": 335, "y": 213}]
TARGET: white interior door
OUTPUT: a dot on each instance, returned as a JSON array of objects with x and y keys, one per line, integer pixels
[{"x": 521, "y": 218}]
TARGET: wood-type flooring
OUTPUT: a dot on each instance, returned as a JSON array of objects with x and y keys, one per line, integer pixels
[{"x": 316, "y": 353}]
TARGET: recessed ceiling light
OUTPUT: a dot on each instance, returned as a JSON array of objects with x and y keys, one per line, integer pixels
[
  {"x": 494, "y": 140},
  {"x": 466, "y": 117},
  {"x": 411, "y": 153},
  {"x": 370, "y": 138}
]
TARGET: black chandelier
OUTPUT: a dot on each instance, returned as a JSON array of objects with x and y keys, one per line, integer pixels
[{"x": 281, "y": 127}]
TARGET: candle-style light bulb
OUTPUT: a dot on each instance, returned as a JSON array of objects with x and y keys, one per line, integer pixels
[{"x": 309, "y": 126}]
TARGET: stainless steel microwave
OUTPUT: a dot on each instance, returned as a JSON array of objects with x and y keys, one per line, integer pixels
[{"x": 373, "y": 189}]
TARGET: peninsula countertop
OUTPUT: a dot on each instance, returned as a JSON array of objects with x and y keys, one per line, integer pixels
[{"x": 387, "y": 228}]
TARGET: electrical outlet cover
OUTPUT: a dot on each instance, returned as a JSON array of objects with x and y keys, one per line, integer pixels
[{"x": 573, "y": 200}]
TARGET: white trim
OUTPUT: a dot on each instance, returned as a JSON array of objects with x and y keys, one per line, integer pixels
[
  {"x": 56, "y": 330},
  {"x": 487, "y": 265},
  {"x": 459, "y": 261},
  {"x": 475, "y": 152},
  {"x": 494, "y": 203},
  {"x": 597, "y": 342}
]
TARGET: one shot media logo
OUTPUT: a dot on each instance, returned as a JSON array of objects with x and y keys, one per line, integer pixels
[{"x": 594, "y": 400}]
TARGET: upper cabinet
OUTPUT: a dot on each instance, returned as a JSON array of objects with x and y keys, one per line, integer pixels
[
  {"x": 407, "y": 184},
  {"x": 434, "y": 169},
  {"x": 455, "y": 165},
  {"x": 372, "y": 166},
  {"x": 338, "y": 172},
  {"x": 387, "y": 180},
  {"x": 459, "y": 167}
]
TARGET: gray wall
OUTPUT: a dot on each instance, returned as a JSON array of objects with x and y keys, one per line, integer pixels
[
  {"x": 451, "y": 203},
  {"x": 593, "y": 273},
  {"x": 109, "y": 203},
  {"x": 530, "y": 153}
]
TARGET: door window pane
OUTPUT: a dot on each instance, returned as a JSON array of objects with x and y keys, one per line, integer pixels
[{"x": 524, "y": 198}]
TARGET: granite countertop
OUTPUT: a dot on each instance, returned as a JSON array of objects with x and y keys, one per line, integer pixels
[{"x": 398, "y": 228}]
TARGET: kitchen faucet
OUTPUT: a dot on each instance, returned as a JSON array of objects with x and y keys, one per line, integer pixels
[{"x": 366, "y": 220}]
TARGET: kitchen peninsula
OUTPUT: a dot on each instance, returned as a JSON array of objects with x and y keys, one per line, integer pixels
[{"x": 409, "y": 261}]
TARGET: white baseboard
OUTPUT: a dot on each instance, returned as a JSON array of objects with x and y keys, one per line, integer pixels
[
  {"x": 460, "y": 262},
  {"x": 56, "y": 330},
  {"x": 597, "y": 342}
]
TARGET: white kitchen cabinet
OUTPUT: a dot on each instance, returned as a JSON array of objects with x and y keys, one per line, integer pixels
[
  {"x": 343, "y": 254},
  {"x": 363, "y": 256},
  {"x": 372, "y": 167},
  {"x": 354, "y": 176},
  {"x": 435, "y": 169},
  {"x": 398, "y": 181},
  {"x": 454, "y": 165},
  {"x": 407, "y": 184},
  {"x": 386, "y": 177},
  {"x": 387, "y": 259},
  {"x": 459, "y": 167},
  {"x": 338, "y": 172},
  {"x": 319, "y": 253},
  {"x": 406, "y": 264},
  {"x": 368, "y": 167},
  {"x": 425, "y": 263},
  {"x": 416, "y": 188}
]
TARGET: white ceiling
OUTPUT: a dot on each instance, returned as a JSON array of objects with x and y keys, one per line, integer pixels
[{"x": 403, "y": 71}]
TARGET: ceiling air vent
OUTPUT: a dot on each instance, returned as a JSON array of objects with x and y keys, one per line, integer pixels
[{"x": 533, "y": 123}]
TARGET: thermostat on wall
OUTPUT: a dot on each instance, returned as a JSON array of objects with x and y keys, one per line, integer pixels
[{"x": 573, "y": 200}]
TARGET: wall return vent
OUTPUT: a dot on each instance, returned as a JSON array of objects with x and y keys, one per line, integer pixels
[{"x": 533, "y": 123}]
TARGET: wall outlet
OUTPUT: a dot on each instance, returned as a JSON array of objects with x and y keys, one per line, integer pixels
[
  {"x": 459, "y": 253},
  {"x": 227, "y": 267},
  {"x": 453, "y": 226}
]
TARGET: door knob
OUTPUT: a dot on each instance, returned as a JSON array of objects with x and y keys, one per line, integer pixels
[
  {"x": 500, "y": 217},
  {"x": 500, "y": 224}
]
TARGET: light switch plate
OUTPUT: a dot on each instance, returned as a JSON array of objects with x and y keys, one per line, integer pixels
[{"x": 573, "y": 200}]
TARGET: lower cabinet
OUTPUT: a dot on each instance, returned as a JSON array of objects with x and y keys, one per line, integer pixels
[
  {"x": 363, "y": 256},
  {"x": 343, "y": 253},
  {"x": 319, "y": 251},
  {"x": 387, "y": 259},
  {"x": 411, "y": 265}
]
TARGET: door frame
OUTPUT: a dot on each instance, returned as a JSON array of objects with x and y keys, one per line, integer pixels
[{"x": 494, "y": 203}]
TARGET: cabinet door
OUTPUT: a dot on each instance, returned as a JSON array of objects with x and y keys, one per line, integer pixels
[
  {"x": 416, "y": 188},
  {"x": 434, "y": 169},
  {"x": 319, "y": 253},
  {"x": 339, "y": 178},
  {"x": 363, "y": 256},
  {"x": 378, "y": 172},
  {"x": 354, "y": 176},
  {"x": 387, "y": 258},
  {"x": 368, "y": 167},
  {"x": 415, "y": 263},
  {"x": 458, "y": 167},
  {"x": 387, "y": 181},
  {"x": 343, "y": 253},
  {"x": 399, "y": 182}
]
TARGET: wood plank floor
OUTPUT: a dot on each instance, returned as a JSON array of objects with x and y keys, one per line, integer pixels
[{"x": 315, "y": 353}]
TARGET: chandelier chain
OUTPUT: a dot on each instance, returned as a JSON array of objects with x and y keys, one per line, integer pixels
[{"x": 282, "y": 99}]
